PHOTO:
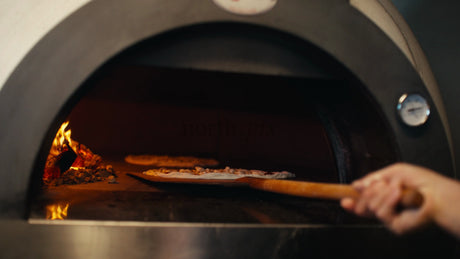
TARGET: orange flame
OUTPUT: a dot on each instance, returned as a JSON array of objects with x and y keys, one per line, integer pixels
[
  {"x": 57, "y": 211},
  {"x": 62, "y": 138}
]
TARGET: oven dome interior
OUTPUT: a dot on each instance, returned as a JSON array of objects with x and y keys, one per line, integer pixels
[{"x": 253, "y": 121}]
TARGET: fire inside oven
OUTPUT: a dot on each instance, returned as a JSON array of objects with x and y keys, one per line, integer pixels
[{"x": 319, "y": 128}]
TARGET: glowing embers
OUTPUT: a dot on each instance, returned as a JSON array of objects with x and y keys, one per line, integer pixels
[
  {"x": 57, "y": 211},
  {"x": 69, "y": 162}
]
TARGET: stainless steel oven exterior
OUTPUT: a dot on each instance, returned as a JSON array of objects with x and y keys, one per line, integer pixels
[{"x": 30, "y": 99}]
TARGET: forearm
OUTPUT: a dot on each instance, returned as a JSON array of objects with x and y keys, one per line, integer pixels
[{"x": 447, "y": 207}]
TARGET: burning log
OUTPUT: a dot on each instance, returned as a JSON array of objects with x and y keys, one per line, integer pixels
[
  {"x": 72, "y": 163},
  {"x": 85, "y": 158},
  {"x": 78, "y": 175}
]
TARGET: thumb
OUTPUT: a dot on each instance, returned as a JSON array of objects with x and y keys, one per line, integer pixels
[{"x": 408, "y": 220}]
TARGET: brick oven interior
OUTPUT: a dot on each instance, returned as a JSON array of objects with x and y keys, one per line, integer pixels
[{"x": 248, "y": 121}]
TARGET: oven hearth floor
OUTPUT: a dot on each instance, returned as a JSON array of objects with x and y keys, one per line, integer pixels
[{"x": 133, "y": 200}]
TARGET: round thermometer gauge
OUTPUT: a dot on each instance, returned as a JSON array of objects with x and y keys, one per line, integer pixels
[{"x": 413, "y": 109}]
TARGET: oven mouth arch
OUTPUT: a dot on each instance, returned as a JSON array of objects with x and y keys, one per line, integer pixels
[
  {"x": 251, "y": 42},
  {"x": 338, "y": 118}
]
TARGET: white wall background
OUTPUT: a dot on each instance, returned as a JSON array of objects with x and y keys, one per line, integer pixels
[{"x": 23, "y": 23}]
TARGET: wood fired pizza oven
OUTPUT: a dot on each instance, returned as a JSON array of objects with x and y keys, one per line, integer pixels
[{"x": 306, "y": 86}]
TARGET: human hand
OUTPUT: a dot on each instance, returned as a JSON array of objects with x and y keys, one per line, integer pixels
[{"x": 381, "y": 192}]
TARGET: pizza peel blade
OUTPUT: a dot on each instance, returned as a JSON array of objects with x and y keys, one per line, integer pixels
[{"x": 315, "y": 190}]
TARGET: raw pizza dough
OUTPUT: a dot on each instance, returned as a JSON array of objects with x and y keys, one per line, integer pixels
[
  {"x": 170, "y": 161},
  {"x": 209, "y": 173}
]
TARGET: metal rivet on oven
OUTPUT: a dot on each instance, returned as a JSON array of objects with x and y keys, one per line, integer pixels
[{"x": 246, "y": 7}]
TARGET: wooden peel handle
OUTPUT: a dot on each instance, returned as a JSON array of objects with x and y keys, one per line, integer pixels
[{"x": 410, "y": 198}]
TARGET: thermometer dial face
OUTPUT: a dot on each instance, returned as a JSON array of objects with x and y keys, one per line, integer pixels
[{"x": 413, "y": 109}]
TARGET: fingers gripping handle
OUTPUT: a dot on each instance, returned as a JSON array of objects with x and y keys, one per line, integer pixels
[{"x": 411, "y": 199}]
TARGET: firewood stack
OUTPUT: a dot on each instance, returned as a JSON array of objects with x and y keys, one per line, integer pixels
[{"x": 74, "y": 164}]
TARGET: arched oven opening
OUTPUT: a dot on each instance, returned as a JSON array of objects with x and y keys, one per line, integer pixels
[{"x": 245, "y": 97}]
